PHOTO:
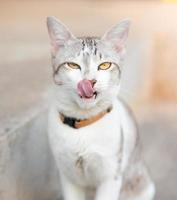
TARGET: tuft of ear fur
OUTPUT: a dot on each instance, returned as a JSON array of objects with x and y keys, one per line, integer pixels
[
  {"x": 59, "y": 34},
  {"x": 117, "y": 36}
]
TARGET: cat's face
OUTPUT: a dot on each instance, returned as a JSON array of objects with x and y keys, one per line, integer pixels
[{"x": 87, "y": 69}]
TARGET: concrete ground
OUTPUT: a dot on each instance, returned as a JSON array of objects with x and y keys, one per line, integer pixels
[{"x": 158, "y": 131}]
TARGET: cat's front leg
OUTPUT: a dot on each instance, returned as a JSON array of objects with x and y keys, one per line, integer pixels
[
  {"x": 109, "y": 189},
  {"x": 70, "y": 190}
]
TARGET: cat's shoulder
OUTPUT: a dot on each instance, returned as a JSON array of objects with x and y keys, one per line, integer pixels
[
  {"x": 126, "y": 113},
  {"x": 129, "y": 123}
]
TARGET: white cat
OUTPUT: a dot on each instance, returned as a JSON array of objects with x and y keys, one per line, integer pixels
[{"x": 92, "y": 134}]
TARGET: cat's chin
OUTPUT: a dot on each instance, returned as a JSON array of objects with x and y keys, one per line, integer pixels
[{"x": 86, "y": 103}]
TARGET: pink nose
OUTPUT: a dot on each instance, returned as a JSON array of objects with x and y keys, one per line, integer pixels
[{"x": 85, "y": 88}]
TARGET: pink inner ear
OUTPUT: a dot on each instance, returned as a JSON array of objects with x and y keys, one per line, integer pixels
[
  {"x": 58, "y": 43},
  {"x": 120, "y": 43},
  {"x": 55, "y": 47},
  {"x": 119, "y": 48}
]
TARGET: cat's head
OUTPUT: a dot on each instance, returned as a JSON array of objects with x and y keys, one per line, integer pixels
[{"x": 87, "y": 70}]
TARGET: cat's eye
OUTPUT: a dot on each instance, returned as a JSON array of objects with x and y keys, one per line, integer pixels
[
  {"x": 73, "y": 65},
  {"x": 104, "y": 66}
]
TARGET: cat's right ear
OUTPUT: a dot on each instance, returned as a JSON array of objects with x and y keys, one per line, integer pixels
[{"x": 59, "y": 34}]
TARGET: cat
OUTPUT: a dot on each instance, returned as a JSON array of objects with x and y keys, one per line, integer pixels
[{"x": 92, "y": 133}]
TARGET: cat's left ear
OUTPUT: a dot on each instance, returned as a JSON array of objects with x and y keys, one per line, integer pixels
[
  {"x": 117, "y": 35},
  {"x": 59, "y": 34}
]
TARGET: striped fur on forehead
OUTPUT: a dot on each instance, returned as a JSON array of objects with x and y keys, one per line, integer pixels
[
  {"x": 89, "y": 48},
  {"x": 94, "y": 46},
  {"x": 90, "y": 44}
]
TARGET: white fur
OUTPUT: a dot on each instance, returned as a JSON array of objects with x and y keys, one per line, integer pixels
[
  {"x": 99, "y": 154},
  {"x": 98, "y": 144}
]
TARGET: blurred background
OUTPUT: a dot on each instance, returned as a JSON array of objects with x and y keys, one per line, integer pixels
[{"x": 149, "y": 77}]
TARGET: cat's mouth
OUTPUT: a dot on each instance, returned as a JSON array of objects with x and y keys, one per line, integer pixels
[
  {"x": 86, "y": 90},
  {"x": 93, "y": 96}
]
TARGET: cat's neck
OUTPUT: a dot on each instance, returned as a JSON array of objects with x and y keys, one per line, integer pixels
[{"x": 72, "y": 109}]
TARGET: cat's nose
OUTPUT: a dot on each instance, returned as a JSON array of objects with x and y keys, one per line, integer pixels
[{"x": 93, "y": 81}]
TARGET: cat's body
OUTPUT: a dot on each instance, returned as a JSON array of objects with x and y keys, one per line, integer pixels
[{"x": 104, "y": 154}]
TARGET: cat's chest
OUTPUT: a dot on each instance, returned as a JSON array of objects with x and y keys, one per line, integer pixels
[
  {"x": 101, "y": 136},
  {"x": 87, "y": 152}
]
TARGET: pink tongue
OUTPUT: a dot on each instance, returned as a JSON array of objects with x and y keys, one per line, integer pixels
[{"x": 85, "y": 89}]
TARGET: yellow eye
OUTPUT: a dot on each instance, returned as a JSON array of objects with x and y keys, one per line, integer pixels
[
  {"x": 104, "y": 66},
  {"x": 73, "y": 65}
]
